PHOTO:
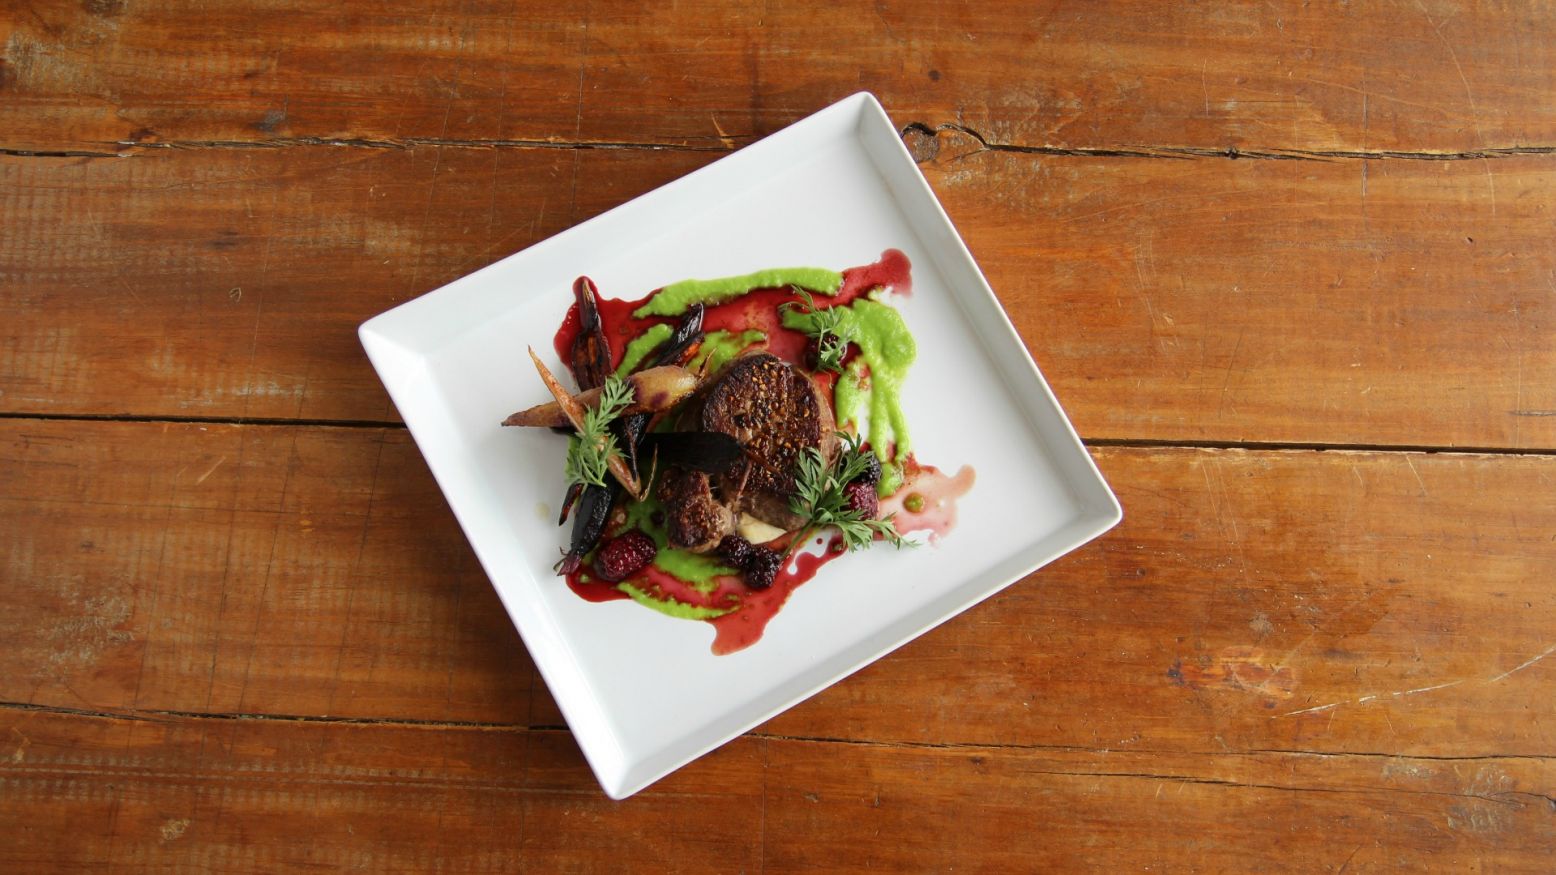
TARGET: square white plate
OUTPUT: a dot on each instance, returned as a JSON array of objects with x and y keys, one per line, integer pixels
[{"x": 642, "y": 692}]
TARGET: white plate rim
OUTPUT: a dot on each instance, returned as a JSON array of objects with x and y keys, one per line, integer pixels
[{"x": 403, "y": 370}]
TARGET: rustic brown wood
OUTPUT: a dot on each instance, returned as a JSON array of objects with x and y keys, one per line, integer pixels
[
  {"x": 258, "y": 796},
  {"x": 1364, "y": 602},
  {"x": 1230, "y": 233},
  {"x": 249, "y": 570},
  {"x": 1250, "y": 601},
  {"x": 105, "y": 75},
  {"x": 1159, "y": 296},
  {"x": 234, "y": 795},
  {"x": 944, "y": 809}
]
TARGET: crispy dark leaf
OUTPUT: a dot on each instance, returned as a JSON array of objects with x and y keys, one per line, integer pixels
[
  {"x": 573, "y": 491},
  {"x": 685, "y": 340},
  {"x": 710, "y": 451},
  {"x": 591, "y": 352},
  {"x": 594, "y": 508}
]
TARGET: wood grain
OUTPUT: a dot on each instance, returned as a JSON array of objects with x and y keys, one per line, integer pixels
[
  {"x": 936, "y": 809},
  {"x": 1362, "y": 602},
  {"x": 1413, "y": 76},
  {"x": 233, "y": 285},
  {"x": 1368, "y": 302},
  {"x": 248, "y": 570},
  {"x": 233, "y": 795},
  {"x": 226, "y": 794},
  {"x": 1273, "y": 258},
  {"x": 1159, "y": 296},
  {"x": 1250, "y": 601}
]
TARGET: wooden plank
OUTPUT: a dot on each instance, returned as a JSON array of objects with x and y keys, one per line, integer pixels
[
  {"x": 226, "y": 794},
  {"x": 246, "y": 570},
  {"x": 1369, "y": 302},
  {"x": 1284, "y": 660},
  {"x": 1331, "y": 601},
  {"x": 714, "y": 73},
  {"x": 1161, "y": 297},
  {"x": 1323, "y": 601},
  {"x": 886, "y": 809},
  {"x": 263, "y": 796},
  {"x": 99, "y": 74},
  {"x": 231, "y": 282}
]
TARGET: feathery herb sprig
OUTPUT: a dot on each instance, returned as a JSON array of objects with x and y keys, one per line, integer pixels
[
  {"x": 821, "y": 498},
  {"x": 590, "y": 450},
  {"x": 829, "y": 328}
]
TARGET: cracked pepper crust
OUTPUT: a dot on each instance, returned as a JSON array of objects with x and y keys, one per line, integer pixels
[{"x": 776, "y": 412}]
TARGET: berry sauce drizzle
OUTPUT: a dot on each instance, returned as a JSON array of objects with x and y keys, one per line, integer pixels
[
  {"x": 926, "y": 501},
  {"x": 743, "y": 628},
  {"x": 750, "y": 610},
  {"x": 592, "y": 590},
  {"x": 757, "y": 309}
]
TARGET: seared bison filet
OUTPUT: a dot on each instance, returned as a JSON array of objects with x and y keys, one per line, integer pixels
[
  {"x": 694, "y": 519},
  {"x": 776, "y": 413}
]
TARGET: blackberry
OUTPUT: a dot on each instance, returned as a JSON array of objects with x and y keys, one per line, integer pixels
[
  {"x": 624, "y": 556},
  {"x": 762, "y": 566},
  {"x": 872, "y": 470},
  {"x": 812, "y": 355},
  {"x": 862, "y": 498},
  {"x": 734, "y": 550}
]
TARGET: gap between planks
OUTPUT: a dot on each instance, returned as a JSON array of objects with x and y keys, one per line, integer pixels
[
  {"x": 1232, "y": 153},
  {"x": 1095, "y": 442},
  {"x": 723, "y": 144},
  {"x": 157, "y": 715}
]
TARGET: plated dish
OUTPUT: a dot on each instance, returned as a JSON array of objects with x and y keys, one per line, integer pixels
[
  {"x": 643, "y": 692},
  {"x": 731, "y": 436}
]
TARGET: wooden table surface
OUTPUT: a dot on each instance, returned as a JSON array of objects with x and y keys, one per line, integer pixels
[{"x": 1289, "y": 267}]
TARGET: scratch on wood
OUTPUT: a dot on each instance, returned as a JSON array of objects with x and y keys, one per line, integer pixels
[
  {"x": 23, "y": 742},
  {"x": 1428, "y": 689},
  {"x": 209, "y": 471},
  {"x": 1469, "y": 95},
  {"x": 1548, "y": 652},
  {"x": 1370, "y": 697},
  {"x": 1230, "y": 365},
  {"x": 1239, "y": 668},
  {"x": 77, "y": 641},
  {"x": 1413, "y": 470},
  {"x": 723, "y": 137},
  {"x": 1347, "y": 863},
  {"x": 1364, "y": 699},
  {"x": 174, "y": 828},
  {"x": 1313, "y": 710}
]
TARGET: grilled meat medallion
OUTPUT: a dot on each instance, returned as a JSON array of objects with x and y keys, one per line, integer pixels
[
  {"x": 775, "y": 412},
  {"x": 694, "y": 519}
]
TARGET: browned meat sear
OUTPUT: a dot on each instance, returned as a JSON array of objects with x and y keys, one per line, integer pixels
[
  {"x": 694, "y": 519},
  {"x": 775, "y": 412}
]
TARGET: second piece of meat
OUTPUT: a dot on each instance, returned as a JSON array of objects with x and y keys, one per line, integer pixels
[
  {"x": 776, "y": 413},
  {"x": 694, "y": 519}
]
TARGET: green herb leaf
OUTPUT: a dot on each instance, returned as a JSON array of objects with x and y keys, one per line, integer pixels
[
  {"x": 590, "y": 450},
  {"x": 821, "y": 498},
  {"x": 830, "y": 329}
]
